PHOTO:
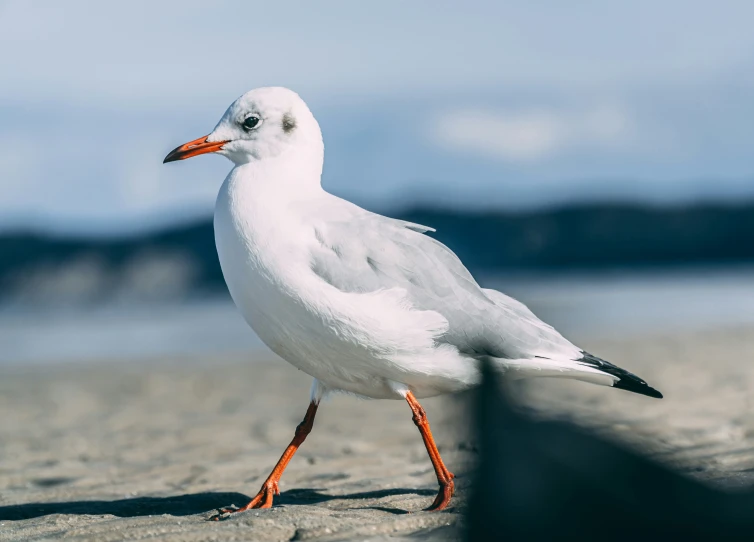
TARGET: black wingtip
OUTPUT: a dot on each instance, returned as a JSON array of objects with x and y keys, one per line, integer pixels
[
  {"x": 640, "y": 387},
  {"x": 626, "y": 381}
]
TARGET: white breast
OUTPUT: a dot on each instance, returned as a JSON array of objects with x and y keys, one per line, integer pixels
[
  {"x": 262, "y": 246},
  {"x": 244, "y": 233},
  {"x": 362, "y": 343}
]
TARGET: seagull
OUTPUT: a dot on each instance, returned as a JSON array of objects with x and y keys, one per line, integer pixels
[{"x": 363, "y": 303}]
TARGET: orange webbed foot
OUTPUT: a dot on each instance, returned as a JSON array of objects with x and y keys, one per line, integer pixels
[{"x": 263, "y": 499}]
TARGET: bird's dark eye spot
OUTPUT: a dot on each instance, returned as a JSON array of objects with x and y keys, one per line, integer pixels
[
  {"x": 289, "y": 123},
  {"x": 250, "y": 122}
]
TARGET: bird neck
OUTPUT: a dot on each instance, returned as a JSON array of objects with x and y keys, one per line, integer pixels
[{"x": 295, "y": 173}]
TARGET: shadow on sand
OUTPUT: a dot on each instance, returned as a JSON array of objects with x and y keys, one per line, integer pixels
[
  {"x": 313, "y": 496},
  {"x": 187, "y": 505},
  {"x": 551, "y": 480}
]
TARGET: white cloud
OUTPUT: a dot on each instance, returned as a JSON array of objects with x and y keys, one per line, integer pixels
[{"x": 530, "y": 135}]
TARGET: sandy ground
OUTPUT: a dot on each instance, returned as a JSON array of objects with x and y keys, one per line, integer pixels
[{"x": 115, "y": 451}]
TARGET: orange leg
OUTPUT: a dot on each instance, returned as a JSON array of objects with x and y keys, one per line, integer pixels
[
  {"x": 444, "y": 476},
  {"x": 263, "y": 499}
]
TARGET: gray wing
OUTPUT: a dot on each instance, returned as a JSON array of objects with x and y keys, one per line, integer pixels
[{"x": 371, "y": 252}]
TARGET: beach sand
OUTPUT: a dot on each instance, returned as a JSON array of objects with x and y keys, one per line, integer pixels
[{"x": 148, "y": 450}]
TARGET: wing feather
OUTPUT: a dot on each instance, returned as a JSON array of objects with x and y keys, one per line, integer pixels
[{"x": 370, "y": 252}]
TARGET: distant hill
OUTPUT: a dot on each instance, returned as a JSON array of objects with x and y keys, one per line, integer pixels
[
  {"x": 181, "y": 261},
  {"x": 597, "y": 236}
]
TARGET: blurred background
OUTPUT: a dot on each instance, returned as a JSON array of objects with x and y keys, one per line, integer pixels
[{"x": 592, "y": 159}]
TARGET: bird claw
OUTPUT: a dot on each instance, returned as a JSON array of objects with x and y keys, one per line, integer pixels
[
  {"x": 443, "y": 496},
  {"x": 263, "y": 499},
  {"x": 224, "y": 513}
]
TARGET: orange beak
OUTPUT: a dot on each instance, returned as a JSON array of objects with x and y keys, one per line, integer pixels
[{"x": 194, "y": 148}]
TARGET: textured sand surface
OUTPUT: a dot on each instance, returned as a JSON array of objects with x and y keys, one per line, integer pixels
[
  {"x": 149, "y": 450},
  {"x": 108, "y": 452},
  {"x": 705, "y": 423}
]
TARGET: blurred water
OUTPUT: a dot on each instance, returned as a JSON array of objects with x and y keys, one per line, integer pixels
[
  {"x": 620, "y": 304},
  {"x": 124, "y": 332},
  {"x": 593, "y": 306}
]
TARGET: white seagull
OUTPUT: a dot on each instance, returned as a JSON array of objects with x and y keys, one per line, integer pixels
[{"x": 363, "y": 303}]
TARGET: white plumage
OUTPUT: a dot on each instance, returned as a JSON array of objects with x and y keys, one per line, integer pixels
[{"x": 361, "y": 302}]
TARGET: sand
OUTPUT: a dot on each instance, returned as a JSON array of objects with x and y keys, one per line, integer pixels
[{"x": 148, "y": 450}]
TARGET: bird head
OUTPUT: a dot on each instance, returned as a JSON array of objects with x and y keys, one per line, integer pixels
[{"x": 263, "y": 123}]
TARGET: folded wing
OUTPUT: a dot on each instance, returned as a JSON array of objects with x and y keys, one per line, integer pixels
[{"x": 369, "y": 252}]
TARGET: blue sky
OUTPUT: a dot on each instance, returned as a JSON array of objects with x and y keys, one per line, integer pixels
[{"x": 476, "y": 104}]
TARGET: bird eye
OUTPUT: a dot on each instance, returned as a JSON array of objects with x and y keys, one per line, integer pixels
[{"x": 250, "y": 122}]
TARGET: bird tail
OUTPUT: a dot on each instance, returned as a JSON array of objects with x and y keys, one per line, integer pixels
[{"x": 625, "y": 380}]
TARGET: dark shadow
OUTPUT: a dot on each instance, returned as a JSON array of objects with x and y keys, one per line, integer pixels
[
  {"x": 395, "y": 511},
  {"x": 542, "y": 480},
  {"x": 313, "y": 496},
  {"x": 179, "y": 505},
  {"x": 187, "y": 505},
  {"x": 52, "y": 482}
]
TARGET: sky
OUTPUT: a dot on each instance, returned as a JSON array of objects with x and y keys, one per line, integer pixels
[{"x": 473, "y": 104}]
